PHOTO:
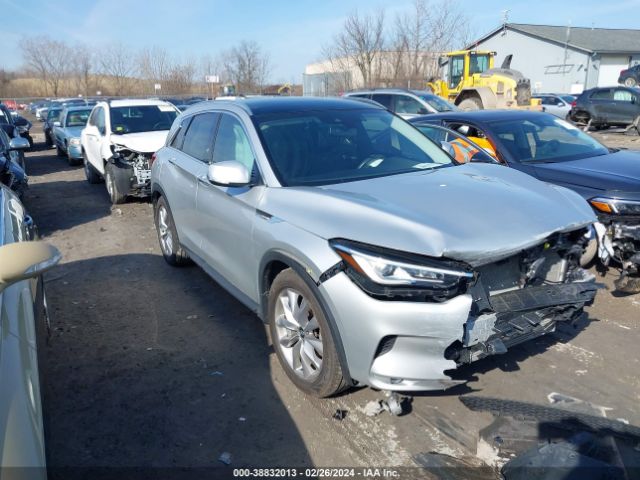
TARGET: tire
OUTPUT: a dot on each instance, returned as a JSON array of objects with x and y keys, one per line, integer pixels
[
  {"x": 116, "y": 195},
  {"x": 630, "y": 82},
  {"x": 322, "y": 379},
  {"x": 90, "y": 172},
  {"x": 172, "y": 252},
  {"x": 59, "y": 151},
  {"x": 48, "y": 141},
  {"x": 73, "y": 161},
  {"x": 470, "y": 103}
]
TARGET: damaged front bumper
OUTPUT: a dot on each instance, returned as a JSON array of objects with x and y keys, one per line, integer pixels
[
  {"x": 133, "y": 173},
  {"x": 619, "y": 243},
  {"x": 410, "y": 345}
]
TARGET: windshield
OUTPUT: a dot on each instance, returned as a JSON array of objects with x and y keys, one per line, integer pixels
[
  {"x": 77, "y": 118},
  {"x": 569, "y": 98},
  {"x": 333, "y": 146},
  {"x": 545, "y": 139},
  {"x": 142, "y": 118}
]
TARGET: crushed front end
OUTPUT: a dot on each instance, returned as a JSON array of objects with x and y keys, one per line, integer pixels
[
  {"x": 618, "y": 232},
  {"x": 402, "y": 339},
  {"x": 524, "y": 296},
  {"x": 133, "y": 171}
]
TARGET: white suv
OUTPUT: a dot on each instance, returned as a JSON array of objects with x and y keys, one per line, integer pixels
[{"x": 119, "y": 140}]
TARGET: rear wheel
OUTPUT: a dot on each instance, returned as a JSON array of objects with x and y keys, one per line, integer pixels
[
  {"x": 302, "y": 338},
  {"x": 470, "y": 103},
  {"x": 630, "y": 82},
  {"x": 172, "y": 252}
]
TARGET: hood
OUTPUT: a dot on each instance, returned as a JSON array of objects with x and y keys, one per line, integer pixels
[
  {"x": 614, "y": 171},
  {"x": 477, "y": 213},
  {"x": 73, "y": 132},
  {"x": 143, "y": 142}
]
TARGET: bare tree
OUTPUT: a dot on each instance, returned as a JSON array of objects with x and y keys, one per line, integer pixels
[
  {"x": 49, "y": 59},
  {"x": 117, "y": 62},
  {"x": 360, "y": 41},
  {"x": 247, "y": 67},
  {"x": 154, "y": 65},
  {"x": 82, "y": 69}
]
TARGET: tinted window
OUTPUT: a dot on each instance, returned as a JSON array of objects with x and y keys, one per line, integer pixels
[
  {"x": 604, "y": 94},
  {"x": 179, "y": 136},
  {"x": 232, "y": 142},
  {"x": 383, "y": 99},
  {"x": 142, "y": 118},
  {"x": 406, "y": 104},
  {"x": 333, "y": 146},
  {"x": 199, "y": 136}
]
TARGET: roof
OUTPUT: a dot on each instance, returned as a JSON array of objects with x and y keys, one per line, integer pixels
[
  {"x": 261, "y": 105},
  {"x": 591, "y": 40},
  {"x": 75, "y": 108},
  {"x": 136, "y": 102},
  {"x": 478, "y": 116}
]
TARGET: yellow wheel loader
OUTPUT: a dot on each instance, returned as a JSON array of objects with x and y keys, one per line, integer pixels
[{"x": 474, "y": 84}]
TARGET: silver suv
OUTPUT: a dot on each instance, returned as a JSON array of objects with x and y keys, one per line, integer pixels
[
  {"x": 405, "y": 103},
  {"x": 373, "y": 256}
]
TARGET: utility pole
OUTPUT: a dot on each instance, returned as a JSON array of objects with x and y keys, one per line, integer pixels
[{"x": 564, "y": 63}]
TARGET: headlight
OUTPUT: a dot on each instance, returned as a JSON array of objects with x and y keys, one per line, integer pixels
[
  {"x": 615, "y": 206},
  {"x": 74, "y": 141},
  {"x": 387, "y": 273}
]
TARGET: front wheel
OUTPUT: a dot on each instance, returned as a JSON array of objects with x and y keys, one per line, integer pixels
[
  {"x": 471, "y": 103},
  {"x": 116, "y": 195},
  {"x": 90, "y": 172},
  {"x": 302, "y": 338}
]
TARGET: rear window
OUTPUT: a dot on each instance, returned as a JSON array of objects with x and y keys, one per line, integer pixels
[{"x": 77, "y": 118}]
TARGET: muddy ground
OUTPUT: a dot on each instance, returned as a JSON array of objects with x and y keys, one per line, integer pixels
[{"x": 153, "y": 366}]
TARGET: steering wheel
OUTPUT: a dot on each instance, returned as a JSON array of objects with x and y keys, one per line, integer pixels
[{"x": 368, "y": 162}]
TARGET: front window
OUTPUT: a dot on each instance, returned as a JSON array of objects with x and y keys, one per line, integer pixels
[
  {"x": 334, "y": 146},
  {"x": 77, "y": 118},
  {"x": 478, "y": 63},
  {"x": 545, "y": 139},
  {"x": 142, "y": 118}
]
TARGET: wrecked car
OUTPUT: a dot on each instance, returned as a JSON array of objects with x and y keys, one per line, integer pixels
[
  {"x": 118, "y": 141},
  {"x": 555, "y": 151},
  {"x": 340, "y": 225}
]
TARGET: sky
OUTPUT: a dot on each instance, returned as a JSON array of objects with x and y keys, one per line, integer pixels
[{"x": 292, "y": 32}]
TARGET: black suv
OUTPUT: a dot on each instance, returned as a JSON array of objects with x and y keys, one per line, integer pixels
[
  {"x": 630, "y": 77},
  {"x": 610, "y": 106}
]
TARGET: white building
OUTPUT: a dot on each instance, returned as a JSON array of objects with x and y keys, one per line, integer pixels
[{"x": 562, "y": 59}]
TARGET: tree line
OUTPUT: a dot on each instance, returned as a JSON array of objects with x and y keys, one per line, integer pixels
[
  {"x": 401, "y": 51},
  {"x": 56, "y": 68}
]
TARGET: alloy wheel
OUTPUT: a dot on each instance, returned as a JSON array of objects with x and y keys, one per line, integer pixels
[
  {"x": 164, "y": 231},
  {"x": 298, "y": 331}
]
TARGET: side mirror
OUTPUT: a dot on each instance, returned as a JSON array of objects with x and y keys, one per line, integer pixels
[
  {"x": 56, "y": 123},
  {"x": 229, "y": 174},
  {"x": 18, "y": 143},
  {"x": 22, "y": 260}
]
